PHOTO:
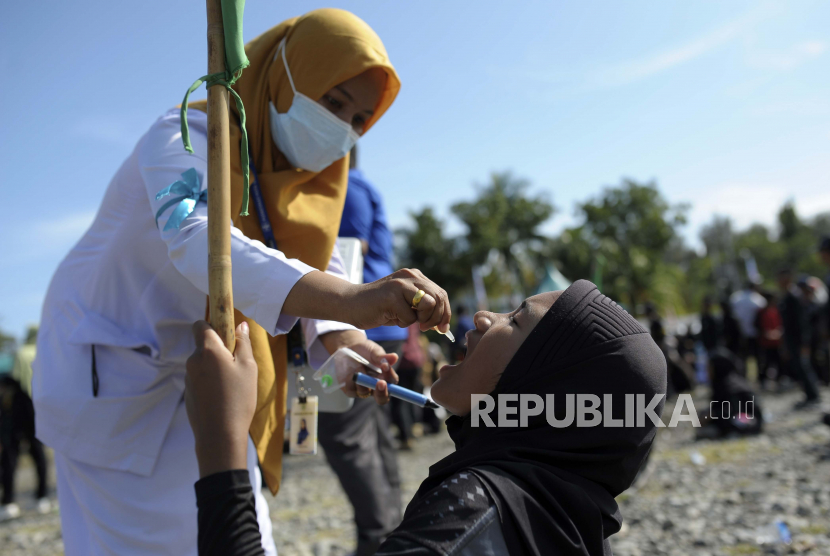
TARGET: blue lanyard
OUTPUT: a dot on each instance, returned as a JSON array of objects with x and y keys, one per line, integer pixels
[{"x": 261, "y": 212}]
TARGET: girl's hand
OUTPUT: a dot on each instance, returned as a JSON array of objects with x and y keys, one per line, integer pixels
[{"x": 220, "y": 397}]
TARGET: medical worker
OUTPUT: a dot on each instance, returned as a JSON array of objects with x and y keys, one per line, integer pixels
[{"x": 116, "y": 324}]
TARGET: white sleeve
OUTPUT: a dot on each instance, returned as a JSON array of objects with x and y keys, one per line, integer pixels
[
  {"x": 313, "y": 328},
  {"x": 262, "y": 277}
]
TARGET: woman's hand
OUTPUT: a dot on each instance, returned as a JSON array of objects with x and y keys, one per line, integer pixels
[
  {"x": 385, "y": 302},
  {"x": 388, "y": 301},
  {"x": 220, "y": 396}
]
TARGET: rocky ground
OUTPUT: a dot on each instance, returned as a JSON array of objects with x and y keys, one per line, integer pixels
[{"x": 696, "y": 497}]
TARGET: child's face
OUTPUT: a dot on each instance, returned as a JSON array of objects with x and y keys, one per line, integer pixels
[{"x": 490, "y": 347}]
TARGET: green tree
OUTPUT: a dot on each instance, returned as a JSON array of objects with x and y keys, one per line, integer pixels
[
  {"x": 719, "y": 238},
  {"x": 575, "y": 253},
  {"x": 789, "y": 222},
  {"x": 504, "y": 219},
  {"x": 800, "y": 241},
  {"x": 769, "y": 254},
  {"x": 425, "y": 247},
  {"x": 632, "y": 226},
  {"x": 821, "y": 224},
  {"x": 791, "y": 244}
]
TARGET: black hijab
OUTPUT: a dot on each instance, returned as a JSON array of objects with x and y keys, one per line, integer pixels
[{"x": 555, "y": 487}]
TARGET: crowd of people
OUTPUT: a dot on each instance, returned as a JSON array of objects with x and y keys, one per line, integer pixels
[{"x": 782, "y": 333}]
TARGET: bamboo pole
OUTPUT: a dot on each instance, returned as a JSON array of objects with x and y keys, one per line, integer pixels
[{"x": 219, "y": 185}]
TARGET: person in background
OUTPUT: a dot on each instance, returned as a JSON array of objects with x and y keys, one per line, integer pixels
[
  {"x": 731, "y": 390},
  {"x": 655, "y": 325},
  {"x": 745, "y": 306},
  {"x": 680, "y": 373},
  {"x": 824, "y": 252},
  {"x": 686, "y": 347},
  {"x": 17, "y": 423},
  {"x": 358, "y": 443},
  {"x": 658, "y": 334},
  {"x": 770, "y": 331},
  {"x": 462, "y": 326},
  {"x": 409, "y": 374},
  {"x": 730, "y": 329},
  {"x": 465, "y": 322},
  {"x": 814, "y": 325},
  {"x": 709, "y": 326},
  {"x": 795, "y": 353}
]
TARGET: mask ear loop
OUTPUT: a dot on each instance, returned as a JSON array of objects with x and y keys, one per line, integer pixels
[{"x": 285, "y": 63}]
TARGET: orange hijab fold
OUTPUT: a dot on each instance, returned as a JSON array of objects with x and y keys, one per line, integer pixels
[{"x": 323, "y": 48}]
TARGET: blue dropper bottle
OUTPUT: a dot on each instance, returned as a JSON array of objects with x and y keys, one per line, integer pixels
[{"x": 395, "y": 391}]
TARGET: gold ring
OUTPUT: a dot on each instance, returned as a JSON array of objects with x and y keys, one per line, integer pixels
[{"x": 417, "y": 299}]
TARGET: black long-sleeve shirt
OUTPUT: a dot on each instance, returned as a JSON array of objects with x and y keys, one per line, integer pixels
[
  {"x": 227, "y": 515},
  {"x": 458, "y": 518}
]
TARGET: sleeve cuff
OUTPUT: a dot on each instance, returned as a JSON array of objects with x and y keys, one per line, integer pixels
[
  {"x": 312, "y": 330},
  {"x": 276, "y": 288},
  {"x": 218, "y": 483}
]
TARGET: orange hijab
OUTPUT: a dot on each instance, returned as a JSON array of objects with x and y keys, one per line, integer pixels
[{"x": 323, "y": 48}]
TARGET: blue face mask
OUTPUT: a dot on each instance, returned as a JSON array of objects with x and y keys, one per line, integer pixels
[{"x": 309, "y": 136}]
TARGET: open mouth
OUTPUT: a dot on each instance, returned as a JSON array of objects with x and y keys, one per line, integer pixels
[{"x": 472, "y": 338}]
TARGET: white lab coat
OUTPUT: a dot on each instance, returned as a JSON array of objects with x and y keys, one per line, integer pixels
[{"x": 133, "y": 291}]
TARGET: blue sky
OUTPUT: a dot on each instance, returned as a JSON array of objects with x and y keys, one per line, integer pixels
[{"x": 725, "y": 104}]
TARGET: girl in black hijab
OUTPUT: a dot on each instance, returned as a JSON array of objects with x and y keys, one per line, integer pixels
[
  {"x": 538, "y": 490},
  {"x": 534, "y": 490}
]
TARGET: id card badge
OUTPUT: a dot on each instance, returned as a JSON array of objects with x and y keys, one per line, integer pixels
[{"x": 303, "y": 432}]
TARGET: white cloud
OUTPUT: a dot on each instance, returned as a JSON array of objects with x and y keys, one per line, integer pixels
[
  {"x": 790, "y": 58},
  {"x": 795, "y": 107},
  {"x": 812, "y": 48},
  {"x": 634, "y": 70}
]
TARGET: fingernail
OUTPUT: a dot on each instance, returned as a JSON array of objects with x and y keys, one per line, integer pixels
[{"x": 244, "y": 327}]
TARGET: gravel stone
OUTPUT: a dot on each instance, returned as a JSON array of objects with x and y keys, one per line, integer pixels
[{"x": 677, "y": 508}]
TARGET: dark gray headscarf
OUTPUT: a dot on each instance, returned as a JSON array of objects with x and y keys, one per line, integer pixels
[{"x": 555, "y": 487}]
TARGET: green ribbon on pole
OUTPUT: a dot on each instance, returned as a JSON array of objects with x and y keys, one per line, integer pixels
[{"x": 235, "y": 62}]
